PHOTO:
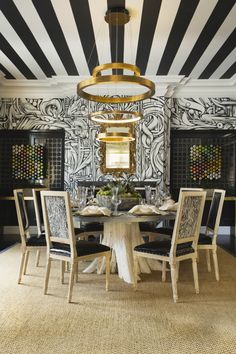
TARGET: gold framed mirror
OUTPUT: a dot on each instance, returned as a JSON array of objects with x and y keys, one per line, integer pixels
[{"x": 118, "y": 157}]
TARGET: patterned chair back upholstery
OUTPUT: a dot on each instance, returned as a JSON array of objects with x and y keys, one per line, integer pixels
[
  {"x": 38, "y": 208},
  {"x": 22, "y": 216},
  {"x": 188, "y": 218},
  {"x": 213, "y": 220},
  {"x": 56, "y": 210},
  {"x": 58, "y": 219}
]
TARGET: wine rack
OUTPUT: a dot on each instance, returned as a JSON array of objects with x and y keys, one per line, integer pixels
[
  {"x": 204, "y": 159},
  {"x": 30, "y": 159}
]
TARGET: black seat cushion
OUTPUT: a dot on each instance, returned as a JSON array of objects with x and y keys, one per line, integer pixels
[
  {"x": 93, "y": 226},
  {"x": 79, "y": 230},
  {"x": 164, "y": 230},
  {"x": 36, "y": 240},
  {"x": 204, "y": 240},
  {"x": 147, "y": 226},
  {"x": 163, "y": 248},
  {"x": 83, "y": 248}
]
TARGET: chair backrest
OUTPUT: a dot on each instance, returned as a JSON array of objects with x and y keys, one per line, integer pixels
[
  {"x": 215, "y": 211},
  {"x": 22, "y": 216},
  {"x": 188, "y": 219},
  {"x": 38, "y": 208},
  {"x": 58, "y": 220}
]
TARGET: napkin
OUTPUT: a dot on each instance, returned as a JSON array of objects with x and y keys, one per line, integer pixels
[
  {"x": 146, "y": 210},
  {"x": 95, "y": 210},
  {"x": 170, "y": 205}
]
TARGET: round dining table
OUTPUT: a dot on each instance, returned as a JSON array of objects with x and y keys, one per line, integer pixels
[{"x": 121, "y": 233}]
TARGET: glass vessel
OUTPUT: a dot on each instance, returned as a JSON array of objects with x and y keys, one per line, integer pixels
[{"x": 116, "y": 200}]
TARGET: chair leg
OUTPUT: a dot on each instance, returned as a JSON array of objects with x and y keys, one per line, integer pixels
[
  {"x": 37, "y": 258},
  {"x": 216, "y": 266},
  {"x": 195, "y": 275},
  {"x": 62, "y": 271},
  {"x": 208, "y": 259},
  {"x": 71, "y": 281},
  {"x": 22, "y": 262},
  {"x": 77, "y": 273},
  {"x": 135, "y": 272},
  {"x": 48, "y": 268},
  {"x": 67, "y": 268},
  {"x": 163, "y": 276},
  {"x": 26, "y": 261},
  {"x": 177, "y": 271},
  {"x": 107, "y": 270},
  {"x": 173, "y": 272}
]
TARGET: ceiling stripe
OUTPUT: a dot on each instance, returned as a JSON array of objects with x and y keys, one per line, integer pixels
[
  {"x": 17, "y": 22},
  {"x": 67, "y": 22},
  {"x": 166, "y": 18},
  {"x": 150, "y": 13},
  {"x": 33, "y": 21},
  {"x": 214, "y": 22},
  {"x": 85, "y": 28},
  {"x": 14, "y": 41},
  {"x": 225, "y": 65},
  {"x": 183, "y": 17},
  {"x": 48, "y": 38},
  {"x": 3, "y": 70},
  {"x": 10, "y": 67},
  {"x": 15, "y": 58},
  {"x": 230, "y": 72},
  {"x": 101, "y": 30},
  {"x": 217, "y": 60},
  {"x": 218, "y": 40},
  {"x": 132, "y": 31},
  {"x": 193, "y": 31},
  {"x": 51, "y": 23}
]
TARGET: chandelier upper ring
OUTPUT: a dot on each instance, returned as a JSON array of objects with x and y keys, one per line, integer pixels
[{"x": 97, "y": 70}]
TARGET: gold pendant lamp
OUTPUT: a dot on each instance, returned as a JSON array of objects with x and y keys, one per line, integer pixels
[{"x": 141, "y": 87}]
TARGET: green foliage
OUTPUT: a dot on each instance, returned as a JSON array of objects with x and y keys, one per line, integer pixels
[{"x": 126, "y": 190}]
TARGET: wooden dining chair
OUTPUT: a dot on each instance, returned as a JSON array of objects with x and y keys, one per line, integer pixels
[
  {"x": 183, "y": 245},
  {"x": 168, "y": 230},
  {"x": 38, "y": 216},
  {"x": 61, "y": 241},
  {"x": 208, "y": 240},
  {"x": 29, "y": 242}
]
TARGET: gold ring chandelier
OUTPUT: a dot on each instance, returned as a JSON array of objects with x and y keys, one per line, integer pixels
[{"x": 116, "y": 17}]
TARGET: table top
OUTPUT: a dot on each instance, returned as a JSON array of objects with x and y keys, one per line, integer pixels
[{"x": 124, "y": 217}]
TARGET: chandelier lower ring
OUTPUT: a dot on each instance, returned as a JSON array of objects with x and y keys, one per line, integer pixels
[
  {"x": 108, "y": 79},
  {"x": 115, "y": 137},
  {"x": 133, "y": 117}
]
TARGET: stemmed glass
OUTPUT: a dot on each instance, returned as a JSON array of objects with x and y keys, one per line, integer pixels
[
  {"x": 115, "y": 199},
  {"x": 91, "y": 194}
]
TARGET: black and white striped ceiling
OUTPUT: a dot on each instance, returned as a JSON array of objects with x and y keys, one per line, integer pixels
[{"x": 44, "y": 38}]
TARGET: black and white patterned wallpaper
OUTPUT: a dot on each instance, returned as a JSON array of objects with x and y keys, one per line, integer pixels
[
  {"x": 81, "y": 148},
  {"x": 199, "y": 113},
  {"x": 152, "y": 134}
]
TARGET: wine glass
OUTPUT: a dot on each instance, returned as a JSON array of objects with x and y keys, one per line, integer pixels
[{"x": 115, "y": 199}]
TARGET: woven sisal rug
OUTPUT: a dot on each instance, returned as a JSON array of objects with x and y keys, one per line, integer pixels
[{"x": 120, "y": 321}]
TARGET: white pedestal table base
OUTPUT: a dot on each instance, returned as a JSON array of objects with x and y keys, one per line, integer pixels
[{"x": 122, "y": 238}]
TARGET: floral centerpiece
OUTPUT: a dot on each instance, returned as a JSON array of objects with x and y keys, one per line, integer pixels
[{"x": 127, "y": 193}]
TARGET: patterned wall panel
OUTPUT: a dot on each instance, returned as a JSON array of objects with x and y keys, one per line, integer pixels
[
  {"x": 203, "y": 113},
  {"x": 81, "y": 147}
]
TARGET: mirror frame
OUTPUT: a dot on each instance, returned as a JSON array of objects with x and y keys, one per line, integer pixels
[{"x": 132, "y": 152}]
